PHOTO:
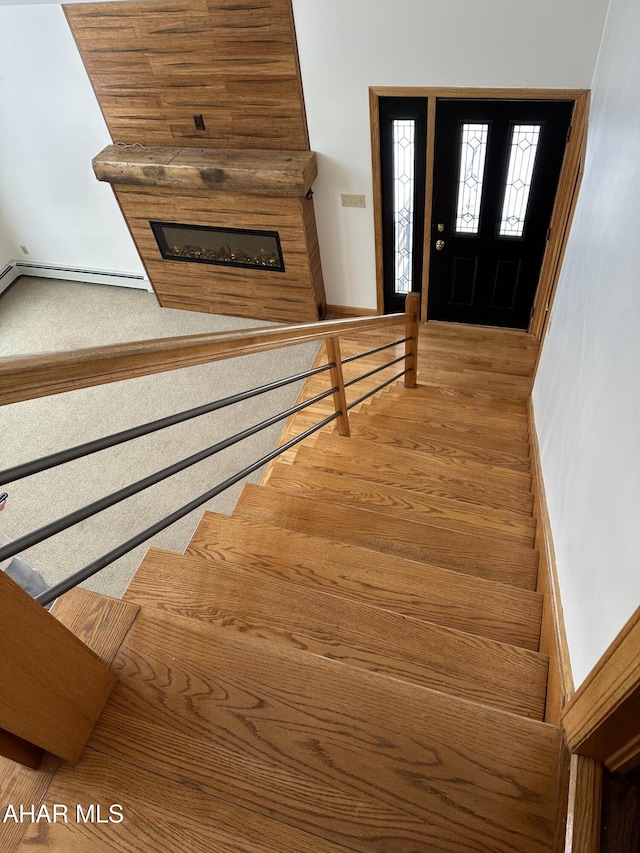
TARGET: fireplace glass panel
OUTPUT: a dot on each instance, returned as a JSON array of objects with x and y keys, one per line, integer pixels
[{"x": 230, "y": 247}]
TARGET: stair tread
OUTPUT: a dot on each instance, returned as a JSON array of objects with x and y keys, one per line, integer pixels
[
  {"x": 450, "y": 460},
  {"x": 426, "y": 399},
  {"x": 460, "y": 398},
  {"x": 447, "y": 403},
  {"x": 451, "y": 448},
  {"x": 395, "y": 467},
  {"x": 159, "y": 815},
  {"x": 364, "y": 761},
  {"x": 351, "y": 633},
  {"x": 444, "y": 440},
  {"x": 437, "y": 426},
  {"x": 473, "y": 554},
  {"x": 351, "y": 490},
  {"x": 493, "y": 337},
  {"x": 490, "y": 385},
  {"x": 440, "y": 353},
  {"x": 508, "y": 614}
]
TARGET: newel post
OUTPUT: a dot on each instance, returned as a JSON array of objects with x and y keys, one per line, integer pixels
[
  {"x": 54, "y": 687},
  {"x": 412, "y": 307},
  {"x": 337, "y": 380}
]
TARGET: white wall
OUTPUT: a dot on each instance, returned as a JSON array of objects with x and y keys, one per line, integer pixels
[
  {"x": 346, "y": 46},
  {"x": 8, "y": 247},
  {"x": 50, "y": 128},
  {"x": 587, "y": 392}
]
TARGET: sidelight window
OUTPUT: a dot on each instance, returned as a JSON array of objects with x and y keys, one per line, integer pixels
[{"x": 404, "y": 134}]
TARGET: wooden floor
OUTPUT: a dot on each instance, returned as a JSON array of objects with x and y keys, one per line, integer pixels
[{"x": 349, "y": 662}]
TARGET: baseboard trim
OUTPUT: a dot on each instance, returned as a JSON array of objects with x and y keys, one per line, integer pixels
[
  {"x": 580, "y": 780},
  {"x": 13, "y": 269},
  {"x": 553, "y": 637},
  {"x": 8, "y": 274},
  {"x": 341, "y": 312}
]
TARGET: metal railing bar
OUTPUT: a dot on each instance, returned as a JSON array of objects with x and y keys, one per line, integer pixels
[
  {"x": 375, "y": 390},
  {"x": 92, "y": 568},
  {"x": 375, "y": 370},
  {"x": 372, "y": 351},
  {"x": 63, "y": 523},
  {"x": 26, "y": 469}
]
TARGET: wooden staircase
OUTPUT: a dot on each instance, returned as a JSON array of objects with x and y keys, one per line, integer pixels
[{"x": 349, "y": 662}]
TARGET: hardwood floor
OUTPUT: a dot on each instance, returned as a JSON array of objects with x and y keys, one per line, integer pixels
[{"x": 348, "y": 662}]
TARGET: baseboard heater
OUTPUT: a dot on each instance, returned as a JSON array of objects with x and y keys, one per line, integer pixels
[{"x": 14, "y": 269}]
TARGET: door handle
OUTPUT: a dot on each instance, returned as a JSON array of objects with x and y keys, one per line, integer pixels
[{"x": 439, "y": 245}]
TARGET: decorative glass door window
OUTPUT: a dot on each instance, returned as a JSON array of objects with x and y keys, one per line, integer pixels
[
  {"x": 524, "y": 146},
  {"x": 404, "y": 132},
  {"x": 473, "y": 150}
]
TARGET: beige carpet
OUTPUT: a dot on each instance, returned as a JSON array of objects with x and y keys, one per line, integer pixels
[{"x": 39, "y": 315}]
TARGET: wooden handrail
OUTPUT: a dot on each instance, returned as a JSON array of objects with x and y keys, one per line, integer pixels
[{"x": 25, "y": 377}]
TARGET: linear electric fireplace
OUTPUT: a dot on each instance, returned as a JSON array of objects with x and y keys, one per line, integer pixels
[{"x": 229, "y": 247}]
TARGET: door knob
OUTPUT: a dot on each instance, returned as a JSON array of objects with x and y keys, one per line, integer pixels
[{"x": 439, "y": 245}]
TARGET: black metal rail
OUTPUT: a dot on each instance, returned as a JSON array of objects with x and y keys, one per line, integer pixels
[
  {"x": 93, "y": 568},
  {"x": 375, "y": 390},
  {"x": 374, "y": 371},
  {"x": 374, "y": 350},
  {"x": 10, "y": 475},
  {"x": 73, "y": 518},
  {"x": 59, "y": 458}
]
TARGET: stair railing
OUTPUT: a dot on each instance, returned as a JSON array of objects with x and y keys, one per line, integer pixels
[{"x": 24, "y": 735}]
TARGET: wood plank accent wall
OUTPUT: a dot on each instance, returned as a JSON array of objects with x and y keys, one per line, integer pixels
[
  {"x": 264, "y": 294},
  {"x": 154, "y": 65}
]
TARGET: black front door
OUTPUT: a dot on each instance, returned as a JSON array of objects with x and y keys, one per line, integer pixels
[{"x": 496, "y": 171}]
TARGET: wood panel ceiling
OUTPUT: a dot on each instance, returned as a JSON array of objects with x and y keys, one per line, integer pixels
[{"x": 154, "y": 65}]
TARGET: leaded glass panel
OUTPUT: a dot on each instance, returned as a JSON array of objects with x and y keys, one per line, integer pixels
[
  {"x": 473, "y": 150},
  {"x": 404, "y": 132},
  {"x": 522, "y": 157}
]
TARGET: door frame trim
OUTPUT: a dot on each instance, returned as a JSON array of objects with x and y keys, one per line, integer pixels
[{"x": 566, "y": 197}]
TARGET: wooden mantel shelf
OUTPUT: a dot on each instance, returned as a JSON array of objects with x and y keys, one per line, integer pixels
[{"x": 250, "y": 171}]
